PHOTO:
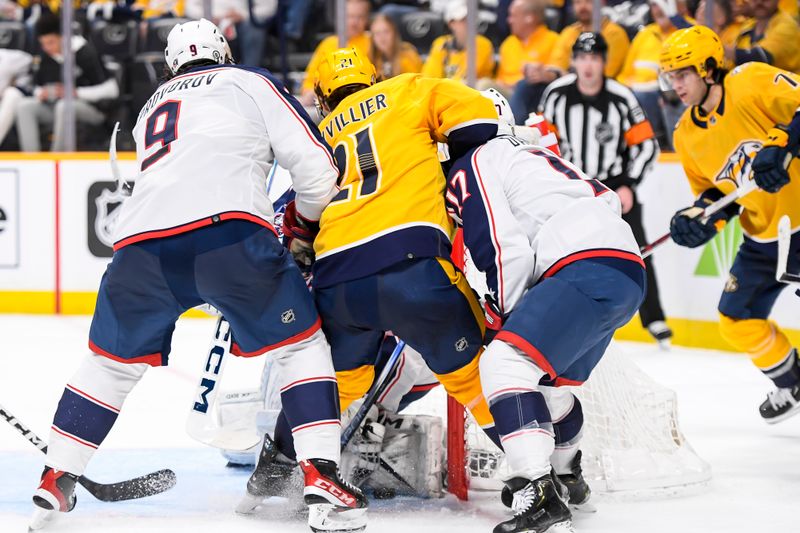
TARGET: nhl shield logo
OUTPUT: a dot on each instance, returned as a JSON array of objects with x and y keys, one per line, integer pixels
[
  {"x": 108, "y": 208},
  {"x": 461, "y": 344},
  {"x": 732, "y": 285},
  {"x": 287, "y": 317}
]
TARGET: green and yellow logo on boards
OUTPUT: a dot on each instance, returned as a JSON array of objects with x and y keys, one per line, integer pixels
[{"x": 718, "y": 254}]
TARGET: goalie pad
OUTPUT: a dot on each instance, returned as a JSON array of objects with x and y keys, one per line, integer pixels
[
  {"x": 408, "y": 460},
  {"x": 255, "y": 410}
]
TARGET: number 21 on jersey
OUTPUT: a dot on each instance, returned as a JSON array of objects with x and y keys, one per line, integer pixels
[
  {"x": 160, "y": 130},
  {"x": 357, "y": 153}
]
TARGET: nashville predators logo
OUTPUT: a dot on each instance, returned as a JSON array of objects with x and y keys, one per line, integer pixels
[
  {"x": 732, "y": 285},
  {"x": 287, "y": 317},
  {"x": 739, "y": 167}
]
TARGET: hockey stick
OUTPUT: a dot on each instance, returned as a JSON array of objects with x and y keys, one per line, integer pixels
[
  {"x": 131, "y": 489},
  {"x": 712, "y": 209},
  {"x": 784, "y": 242},
  {"x": 376, "y": 390},
  {"x": 201, "y": 423},
  {"x": 112, "y": 158}
]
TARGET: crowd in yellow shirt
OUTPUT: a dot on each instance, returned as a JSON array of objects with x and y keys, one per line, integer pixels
[{"x": 534, "y": 55}]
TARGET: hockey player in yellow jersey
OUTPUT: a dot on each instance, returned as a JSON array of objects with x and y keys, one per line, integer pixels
[
  {"x": 384, "y": 242},
  {"x": 741, "y": 131}
]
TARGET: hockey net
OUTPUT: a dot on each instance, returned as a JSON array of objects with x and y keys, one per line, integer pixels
[{"x": 631, "y": 441}]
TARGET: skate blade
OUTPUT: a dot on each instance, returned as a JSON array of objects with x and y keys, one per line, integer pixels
[
  {"x": 780, "y": 418},
  {"x": 40, "y": 518},
  {"x": 324, "y": 517}
]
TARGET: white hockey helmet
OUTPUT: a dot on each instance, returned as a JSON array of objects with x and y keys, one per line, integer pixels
[
  {"x": 193, "y": 41},
  {"x": 503, "y": 109},
  {"x": 507, "y": 124}
]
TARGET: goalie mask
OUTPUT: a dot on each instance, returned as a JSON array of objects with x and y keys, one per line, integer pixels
[{"x": 194, "y": 41}]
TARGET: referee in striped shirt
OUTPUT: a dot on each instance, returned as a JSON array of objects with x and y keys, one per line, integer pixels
[{"x": 603, "y": 130}]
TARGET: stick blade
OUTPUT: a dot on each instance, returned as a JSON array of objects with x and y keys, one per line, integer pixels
[
  {"x": 784, "y": 241},
  {"x": 132, "y": 489}
]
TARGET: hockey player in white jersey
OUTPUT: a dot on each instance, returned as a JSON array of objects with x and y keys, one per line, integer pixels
[
  {"x": 563, "y": 272},
  {"x": 198, "y": 229}
]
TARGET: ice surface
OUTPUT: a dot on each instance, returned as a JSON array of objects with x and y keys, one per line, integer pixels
[{"x": 756, "y": 472}]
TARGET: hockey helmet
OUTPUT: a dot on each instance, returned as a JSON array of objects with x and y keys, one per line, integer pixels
[
  {"x": 697, "y": 46},
  {"x": 502, "y": 106},
  {"x": 342, "y": 67},
  {"x": 194, "y": 41}
]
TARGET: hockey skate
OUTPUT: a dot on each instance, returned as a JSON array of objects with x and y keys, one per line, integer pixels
[
  {"x": 781, "y": 403},
  {"x": 661, "y": 332},
  {"x": 572, "y": 488},
  {"x": 272, "y": 477},
  {"x": 537, "y": 506},
  {"x": 333, "y": 504},
  {"x": 56, "y": 494},
  {"x": 579, "y": 491}
]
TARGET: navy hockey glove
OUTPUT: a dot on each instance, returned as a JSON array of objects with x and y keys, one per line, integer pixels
[
  {"x": 298, "y": 237},
  {"x": 493, "y": 317},
  {"x": 686, "y": 227},
  {"x": 772, "y": 161}
]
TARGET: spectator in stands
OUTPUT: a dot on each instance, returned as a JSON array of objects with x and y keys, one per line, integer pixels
[
  {"x": 723, "y": 21},
  {"x": 15, "y": 68},
  {"x": 93, "y": 86},
  {"x": 772, "y": 36},
  {"x": 521, "y": 71},
  {"x": 232, "y": 17},
  {"x": 153, "y": 9},
  {"x": 614, "y": 34},
  {"x": 448, "y": 54},
  {"x": 390, "y": 55},
  {"x": 296, "y": 16},
  {"x": 358, "y": 12},
  {"x": 790, "y": 7},
  {"x": 641, "y": 67}
]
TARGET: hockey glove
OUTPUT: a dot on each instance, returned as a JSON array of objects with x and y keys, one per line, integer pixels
[
  {"x": 772, "y": 161},
  {"x": 686, "y": 227},
  {"x": 298, "y": 237},
  {"x": 493, "y": 317}
]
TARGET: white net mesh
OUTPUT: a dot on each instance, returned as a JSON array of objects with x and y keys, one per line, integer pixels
[{"x": 631, "y": 437}]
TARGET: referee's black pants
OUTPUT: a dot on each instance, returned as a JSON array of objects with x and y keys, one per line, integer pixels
[{"x": 650, "y": 311}]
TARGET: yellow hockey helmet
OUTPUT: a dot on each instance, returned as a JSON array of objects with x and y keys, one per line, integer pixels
[
  {"x": 692, "y": 47},
  {"x": 345, "y": 66}
]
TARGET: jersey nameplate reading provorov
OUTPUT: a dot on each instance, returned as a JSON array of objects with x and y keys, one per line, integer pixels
[{"x": 179, "y": 85}]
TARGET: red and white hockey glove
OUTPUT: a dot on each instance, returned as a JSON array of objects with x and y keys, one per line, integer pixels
[
  {"x": 493, "y": 318},
  {"x": 298, "y": 237}
]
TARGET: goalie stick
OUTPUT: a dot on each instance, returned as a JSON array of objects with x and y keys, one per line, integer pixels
[
  {"x": 712, "y": 209},
  {"x": 202, "y": 424},
  {"x": 372, "y": 396},
  {"x": 131, "y": 489},
  {"x": 784, "y": 242}
]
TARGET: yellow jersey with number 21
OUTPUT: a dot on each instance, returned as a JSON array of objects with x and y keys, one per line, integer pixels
[{"x": 391, "y": 204}]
